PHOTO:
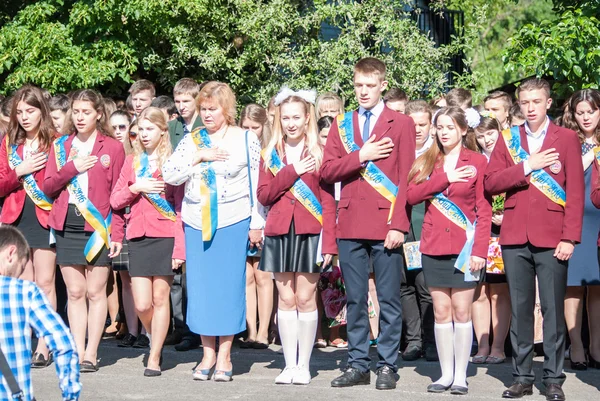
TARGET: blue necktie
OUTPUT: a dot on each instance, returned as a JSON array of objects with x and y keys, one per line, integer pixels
[{"x": 367, "y": 127}]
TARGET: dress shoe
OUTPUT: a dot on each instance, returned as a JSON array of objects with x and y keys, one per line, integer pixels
[
  {"x": 187, "y": 344},
  {"x": 142, "y": 342},
  {"x": 127, "y": 341},
  {"x": 152, "y": 373},
  {"x": 437, "y": 388},
  {"x": 352, "y": 377},
  {"x": 459, "y": 390},
  {"x": 579, "y": 365},
  {"x": 38, "y": 360},
  {"x": 386, "y": 378},
  {"x": 223, "y": 376},
  {"x": 431, "y": 354},
  {"x": 302, "y": 376},
  {"x": 412, "y": 353},
  {"x": 173, "y": 339},
  {"x": 286, "y": 376},
  {"x": 518, "y": 390},
  {"x": 554, "y": 392}
]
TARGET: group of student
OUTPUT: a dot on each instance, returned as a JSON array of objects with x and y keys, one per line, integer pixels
[{"x": 416, "y": 202}]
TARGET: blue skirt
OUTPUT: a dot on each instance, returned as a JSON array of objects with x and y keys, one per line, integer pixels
[{"x": 216, "y": 280}]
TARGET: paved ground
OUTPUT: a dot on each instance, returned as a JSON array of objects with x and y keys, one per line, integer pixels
[{"x": 121, "y": 378}]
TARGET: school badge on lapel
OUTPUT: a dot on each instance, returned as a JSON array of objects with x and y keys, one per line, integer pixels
[
  {"x": 105, "y": 161},
  {"x": 555, "y": 167},
  {"x": 472, "y": 171}
]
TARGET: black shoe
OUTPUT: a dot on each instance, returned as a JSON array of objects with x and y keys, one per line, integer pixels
[
  {"x": 128, "y": 341},
  {"x": 592, "y": 363},
  {"x": 437, "y": 388},
  {"x": 518, "y": 390},
  {"x": 351, "y": 377},
  {"x": 386, "y": 378},
  {"x": 412, "y": 353},
  {"x": 579, "y": 365},
  {"x": 459, "y": 390},
  {"x": 38, "y": 361},
  {"x": 554, "y": 392},
  {"x": 142, "y": 342},
  {"x": 431, "y": 354},
  {"x": 152, "y": 373},
  {"x": 187, "y": 344},
  {"x": 173, "y": 339}
]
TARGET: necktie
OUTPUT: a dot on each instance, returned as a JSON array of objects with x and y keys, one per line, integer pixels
[{"x": 367, "y": 127}]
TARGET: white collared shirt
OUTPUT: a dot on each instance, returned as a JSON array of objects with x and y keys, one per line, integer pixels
[
  {"x": 376, "y": 112},
  {"x": 534, "y": 142},
  {"x": 425, "y": 148}
]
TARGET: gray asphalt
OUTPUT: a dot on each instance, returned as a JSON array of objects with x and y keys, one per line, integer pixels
[{"x": 121, "y": 378}]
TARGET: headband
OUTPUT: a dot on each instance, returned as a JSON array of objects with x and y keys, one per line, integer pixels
[{"x": 308, "y": 96}]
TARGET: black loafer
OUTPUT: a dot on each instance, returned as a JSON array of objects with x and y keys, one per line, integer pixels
[
  {"x": 412, "y": 353},
  {"x": 579, "y": 365},
  {"x": 142, "y": 342},
  {"x": 352, "y": 377},
  {"x": 127, "y": 341},
  {"x": 437, "y": 388},
  {"x": 152, "y": 373},
  {"x": 518, "y": 390},
  {"x": 173, "y": 339},
  {"x": 88, "y": 367},
  {"x": 187, "y": 344},
  {"x": 554, "y": 392},
  {"x": 386, "y": 378},
  {"x": 459, "y": 390},
  {"x": 38, "y": 361}
]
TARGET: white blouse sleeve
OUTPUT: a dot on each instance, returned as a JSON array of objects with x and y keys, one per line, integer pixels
[
  {"x": 178, "y": 168},
  {"x": 257, "y": 221}
]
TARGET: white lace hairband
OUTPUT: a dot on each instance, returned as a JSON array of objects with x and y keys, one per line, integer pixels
[{"x": 309, "y": 96}]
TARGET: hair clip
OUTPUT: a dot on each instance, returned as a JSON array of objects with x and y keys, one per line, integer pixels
[{"x": 473, "y": 117}]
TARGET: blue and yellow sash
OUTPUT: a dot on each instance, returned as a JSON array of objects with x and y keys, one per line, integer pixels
[
  {"x": 371, "y": 173},
  {"x": 300, "y": 190},
  {"x": 102, "y": 227},
  {"x": 539, "y": 178},
  {"x": 29, "y": 184},
  {"x": 142, "y": 170},
  {"x": 597, "y": 154},
  {"x": 208, "y": 187},
  {"x": 457, "y": 216}
]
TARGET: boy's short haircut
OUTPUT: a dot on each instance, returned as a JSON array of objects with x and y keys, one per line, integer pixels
[
  {"x": 60, "y": 102},
  {"x": 186, "y": 86},
  {"x": 459, "y": 97},
  {"x": 370, "y": 65},
  {"x": 165, "y": 103},
  {"x": 395, "y": 95},
  {"x": 418, "y": 106},
  {"x": 6, "y": 105},
  {"x": 10, "y": 235},
  {"x": 534, "y": 84},
  {"x": 142, "y": 85},
  {"x": 129, "y": 104},
  {"x": 499, "y": 95}
]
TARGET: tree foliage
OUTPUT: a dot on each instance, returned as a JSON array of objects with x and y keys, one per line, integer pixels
[{"x": 256, "y": 46}]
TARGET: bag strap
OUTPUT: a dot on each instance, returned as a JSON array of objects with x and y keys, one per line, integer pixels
[
  {"x": 17, "y": 394},
  {"x": 249, "y": 176}
]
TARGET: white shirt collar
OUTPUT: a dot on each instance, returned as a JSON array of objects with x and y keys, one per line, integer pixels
[
  {"x": 376, "y": 111},
  {"x": 542, "y": 132},
  {"x": 425, "y": 147}
]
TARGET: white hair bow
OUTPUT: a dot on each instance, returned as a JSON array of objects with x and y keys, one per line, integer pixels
[
  {"x": 309, "y": 96},
  {"x": 473, "y": 117}
]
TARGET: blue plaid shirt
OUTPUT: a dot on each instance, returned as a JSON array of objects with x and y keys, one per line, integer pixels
[{"x": 23, "y": 306}]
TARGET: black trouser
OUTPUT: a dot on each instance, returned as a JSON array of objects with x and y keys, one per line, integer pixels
[
  {"x": 417, "y": 310},
  {"x": 179, "y": 304},
  {"x": 387, "y": 266},
  {"x": 522, "y": 263}
]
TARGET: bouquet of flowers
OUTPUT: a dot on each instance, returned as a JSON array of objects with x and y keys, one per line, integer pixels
[
  {"x": 333, "y": 295},
  {"x": 498, "y": 203}
]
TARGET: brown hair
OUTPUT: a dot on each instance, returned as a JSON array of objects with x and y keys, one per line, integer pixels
[
  {"x": 459, "y": 97},
  {"x": 424, "y": 165},
  {"x": 89, "y": 95},
  {"x": 157, "y": 117},
  {"x": 486, "y": 124},
  {"x": 142, "y": 85},
  {"x": 33, "y": 96},
  {"x": 186, "y": 86},
  {"x": 257, "y": 113},
  {"x": 395, "y": 95},
  {"x": 418, "y": 106},
  {"x": 127, "y": 142},
  {"x": 591, "y": 96},
  {"x": 10, "y": 235},
  {"x": 534, "y": 84},
  {"x": 370, "y": 65},
  {"x": 222, "y": 94}
]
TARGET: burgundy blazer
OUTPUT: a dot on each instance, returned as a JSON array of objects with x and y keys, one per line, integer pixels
[
  {"x": 440, "y": 236},
  {"x": 101, "y": 181},
  {"x": 363, "y": 212},
  {"x": 529, "y": 216},
  {"x": 144, "y": 220},
  {"x": 11, "y": 189},
  {"x": 595, "y": 194},
  {"x": 274, "y": 192}
]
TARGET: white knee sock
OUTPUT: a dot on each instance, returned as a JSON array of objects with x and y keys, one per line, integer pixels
[
  {"x": 463, "y": 340},
  {"x": 444, "y": 341},
  {"x": 287, "y": 321},
  {"x": 307, "y": 330}
]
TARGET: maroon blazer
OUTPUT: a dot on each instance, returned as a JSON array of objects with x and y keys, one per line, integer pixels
[
  {"x": 101, "y": 181},
  {"x": 529, "y": 216},
  {"x": 11, "y": 189},
  {"x": 363, "y": 212},
  {"x": 144, "y": 220},
  {"x": 595, "y": 194},
  {"x": 274, "y": 192},
  {"x": 440, "y": 236}
]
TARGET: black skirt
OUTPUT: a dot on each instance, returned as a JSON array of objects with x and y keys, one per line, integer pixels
[
  {"x": 36, "y": 235},
  {"x": 290, "y": 253},
  {"x": 440, "y": 272},
  {"x": 150, "y": 257},
  {"x": 70, "y": 243},
  {"x": 121, "y": 262}
]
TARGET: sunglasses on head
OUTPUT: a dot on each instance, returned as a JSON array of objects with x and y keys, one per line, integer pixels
[
  {"x": 132, "y": 133},
  {"x": 120, "y": 127}
]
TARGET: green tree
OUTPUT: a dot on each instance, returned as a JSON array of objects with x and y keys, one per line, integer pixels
[{"x": 255, "y": 46}]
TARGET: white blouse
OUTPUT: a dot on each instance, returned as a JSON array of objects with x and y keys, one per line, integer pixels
[{"x": 233, "y": 187}]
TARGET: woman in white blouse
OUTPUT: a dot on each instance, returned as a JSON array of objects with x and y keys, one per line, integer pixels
[{"x": 219, "y": 166}]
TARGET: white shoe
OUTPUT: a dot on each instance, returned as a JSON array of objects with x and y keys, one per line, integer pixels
[
  {"x": 286, "y": 376},
  {"x": 302, "y": 376}
]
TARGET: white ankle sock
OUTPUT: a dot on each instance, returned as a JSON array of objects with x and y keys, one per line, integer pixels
[
  {"x": 287, "y": 321},
  {"x": 444, "y": 341},
  {"x": 463, "y": 340},
  {"x": 307, "y": 330}
]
